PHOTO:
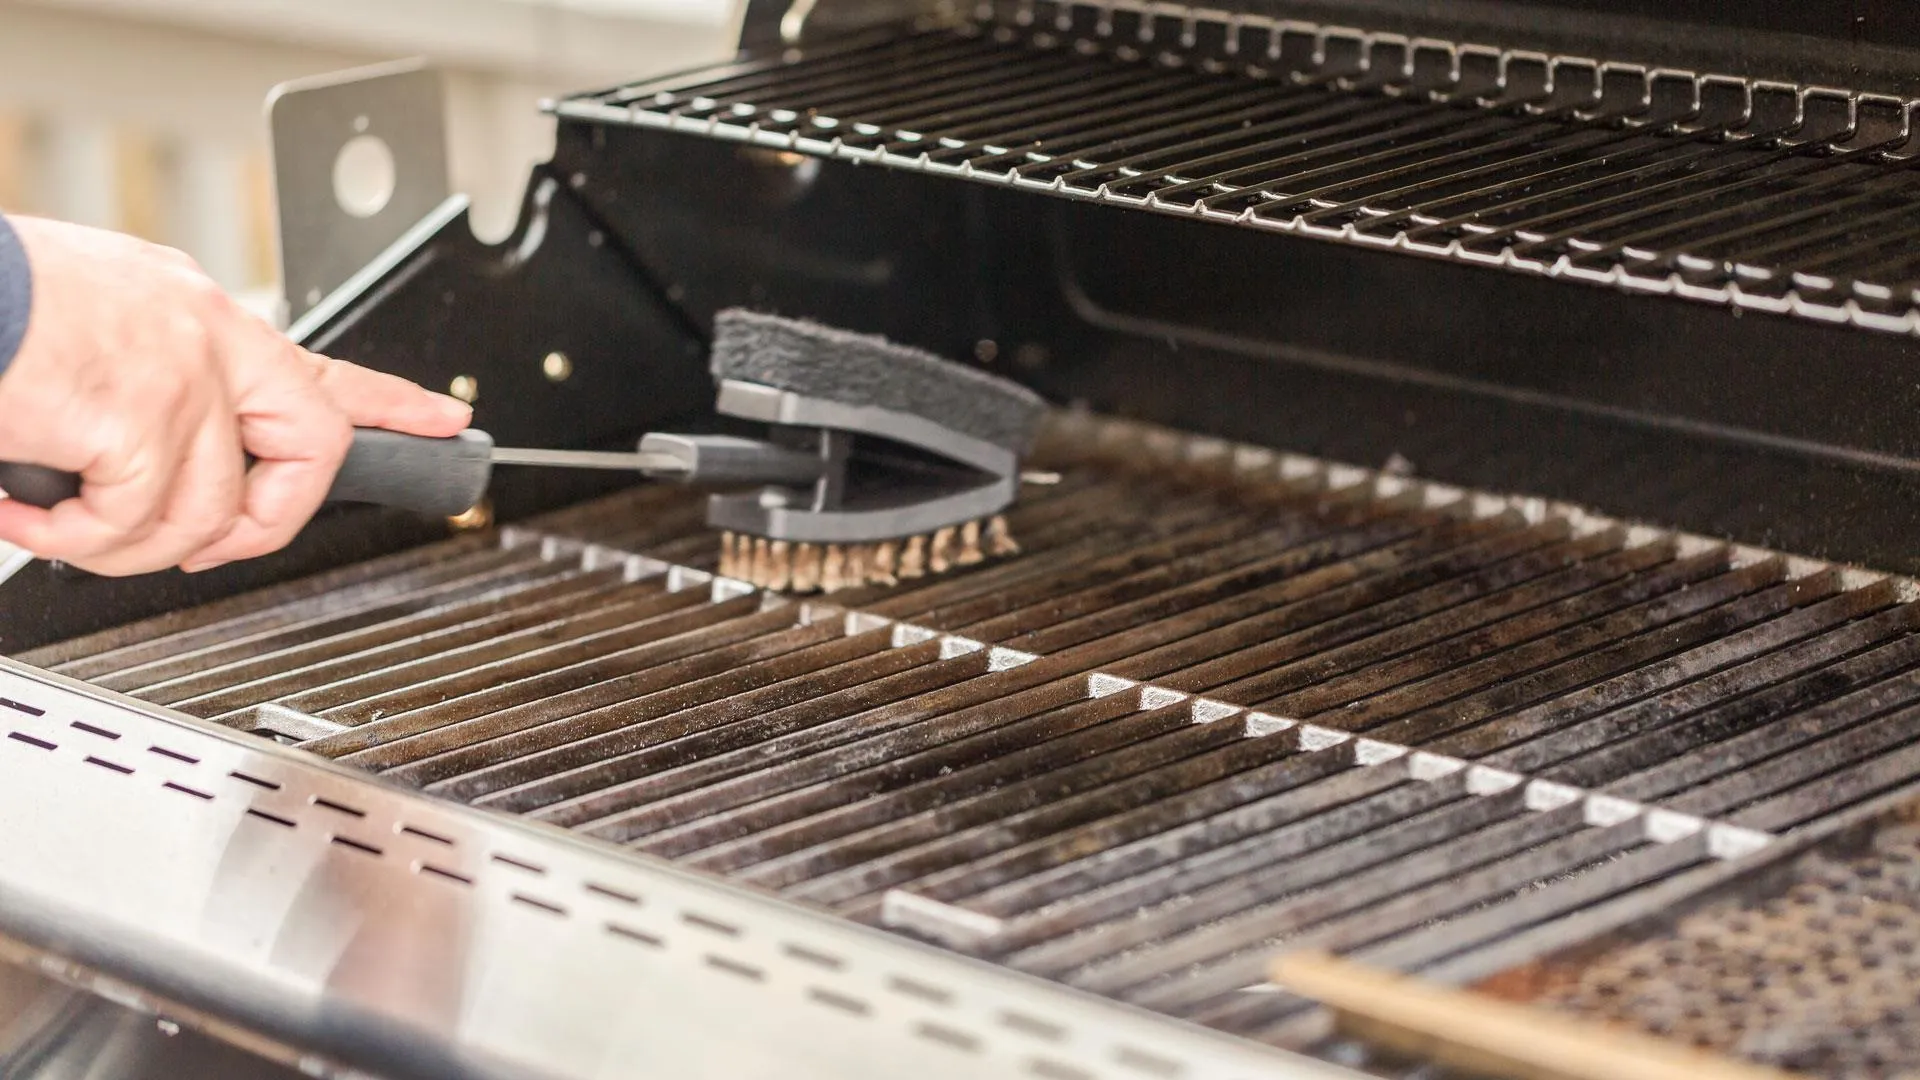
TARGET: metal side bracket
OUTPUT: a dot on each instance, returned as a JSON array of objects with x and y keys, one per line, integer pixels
[{"x": 359, "y": 157}]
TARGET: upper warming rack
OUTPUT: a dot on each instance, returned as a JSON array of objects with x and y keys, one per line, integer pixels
[{"x": 1765, "y": 196}]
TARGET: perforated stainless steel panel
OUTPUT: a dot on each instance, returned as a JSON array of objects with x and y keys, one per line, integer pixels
[{"x": 385, "y": 931}]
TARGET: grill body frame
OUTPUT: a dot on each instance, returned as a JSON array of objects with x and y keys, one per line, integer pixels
[{"x": 1769, "y": 428}]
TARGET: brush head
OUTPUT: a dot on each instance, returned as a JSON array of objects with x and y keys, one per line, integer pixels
[
  {"x": 861, "y": 369},
  {"x": 781, "y": 566},
  {"x": 925, "y": 457}
]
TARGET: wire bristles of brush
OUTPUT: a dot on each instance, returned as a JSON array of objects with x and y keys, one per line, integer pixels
[{"x": 780, "y": 566}]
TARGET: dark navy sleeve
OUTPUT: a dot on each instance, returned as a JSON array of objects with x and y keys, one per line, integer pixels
[{"x": 16, "y": 293}]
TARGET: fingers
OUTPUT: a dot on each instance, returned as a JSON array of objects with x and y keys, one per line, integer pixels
[
  {"x": 201, "y": 504},
  {"x": 204, "y": 507},
  {"x": 294, "y": 430},
  {"x": 66, "y": 532},
  {"x": 297, "y": 415},
  {"x": 119, "y": 505},
  {"x": 124, "y": 440},
  {"x": 126, "y": 444},
  {"x": 140, "y": 374},
  {"x": 299, "y": 454},
  {"x": 280, "y": 497},
  {"x": 376, "y": 399}
]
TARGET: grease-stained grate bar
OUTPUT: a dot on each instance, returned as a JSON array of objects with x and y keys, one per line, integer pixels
[
  {"x": 1227, "y": 699},
  {"x": 1764, "y": 197}
]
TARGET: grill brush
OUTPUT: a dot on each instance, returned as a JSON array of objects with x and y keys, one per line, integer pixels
[
  {"x": 882, "y": 462},
  {"x": 917, "y": 456}
]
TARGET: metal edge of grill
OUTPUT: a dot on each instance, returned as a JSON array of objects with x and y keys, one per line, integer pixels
[
  {"x": 1695, "y": 185},
  {"x": 498, "y": 948}
]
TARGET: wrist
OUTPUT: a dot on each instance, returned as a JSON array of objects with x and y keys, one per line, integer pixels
[{"x": 16, "y": 293}]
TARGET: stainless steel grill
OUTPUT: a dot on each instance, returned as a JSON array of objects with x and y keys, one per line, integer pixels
[
  {"x": 1228, "y": 702},
  {"x": 1770, "y": 197}
]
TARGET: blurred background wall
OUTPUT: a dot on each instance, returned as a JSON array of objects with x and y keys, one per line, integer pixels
[{"x": 147, "y": 115}]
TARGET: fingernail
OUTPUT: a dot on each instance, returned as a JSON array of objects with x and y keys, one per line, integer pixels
[{"x": 202, "y": 567}]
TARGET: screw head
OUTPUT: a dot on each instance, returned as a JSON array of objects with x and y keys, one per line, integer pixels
[
  {"x": 556, "y": 367},
  {"x": 465, "y": 387}
]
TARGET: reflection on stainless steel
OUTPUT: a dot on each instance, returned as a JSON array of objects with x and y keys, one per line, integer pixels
[{"x": 50, "y": 1031}]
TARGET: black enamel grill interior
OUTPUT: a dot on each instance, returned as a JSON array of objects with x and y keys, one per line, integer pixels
[
  {"x": 1666, "y": 182},
  {"x": 1224, "y": 704}
]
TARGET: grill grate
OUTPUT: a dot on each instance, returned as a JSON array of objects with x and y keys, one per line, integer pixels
[
  {"x": 1230, "y": 701},
  {"x": 1766, "y": 197},
  {"x": 1806, "y": 964}
]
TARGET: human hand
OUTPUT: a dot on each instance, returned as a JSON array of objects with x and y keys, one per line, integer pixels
[{"x": 141, "y": 375}]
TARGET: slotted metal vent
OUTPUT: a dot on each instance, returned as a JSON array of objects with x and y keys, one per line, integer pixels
[
  {"x": 1763, "y": 196},
  {"x": 1227, "y": 702}
]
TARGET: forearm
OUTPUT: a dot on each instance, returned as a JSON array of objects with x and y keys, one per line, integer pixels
[{"x": 16, "y": 293}]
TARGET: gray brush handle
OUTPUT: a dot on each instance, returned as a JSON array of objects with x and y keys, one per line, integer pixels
[
  {"x": 441, "y": 477},
  {"x": 37, "y": 485}
]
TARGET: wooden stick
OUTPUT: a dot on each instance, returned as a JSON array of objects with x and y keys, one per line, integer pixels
[{"x": 1480, "y": 1034}]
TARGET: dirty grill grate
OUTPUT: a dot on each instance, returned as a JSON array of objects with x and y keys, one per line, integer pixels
[
  {"x": 1228, "y": 702},
  {"x": 1803, "y": 960},
  {"x": 1785, "y": 991},
  {"x": 1767, "y": 197}
]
